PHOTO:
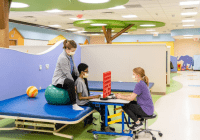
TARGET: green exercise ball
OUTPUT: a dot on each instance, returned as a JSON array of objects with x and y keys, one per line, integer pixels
[{"x": 57, "y": 96}]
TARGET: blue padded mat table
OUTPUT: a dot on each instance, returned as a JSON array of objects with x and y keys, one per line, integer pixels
[
  {"x": 115, "y": 86},
  {"x": 24, "y": 106}
]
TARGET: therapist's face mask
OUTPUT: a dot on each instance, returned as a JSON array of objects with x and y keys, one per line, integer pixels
[{"x": 71, "y": 53}]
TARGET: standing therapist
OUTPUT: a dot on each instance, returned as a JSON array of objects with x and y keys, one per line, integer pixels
[{"x": 66, "y": 71}]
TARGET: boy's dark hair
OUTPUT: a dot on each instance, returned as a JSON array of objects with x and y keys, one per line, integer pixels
[
  {"x": 72, "y": 44},
  {"x": 82, "y": 67}
]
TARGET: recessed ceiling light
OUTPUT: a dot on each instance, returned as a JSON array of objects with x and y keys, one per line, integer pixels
[
  {"x": 98, "y": 24},
  {"x": 187, "y": 35},
  {"x": 95, "y": 34},
  {"x": 124, "y": 33},
  {"x": 54, "y": 11},
  {"x": 189, "y": 13},
  {"x": 191, "y": 20},
  {"x": 187, "y": 25},
  {"x": 81, "y": 31},
  {"x": 112, "y": 30},
  {"x": 155, "y": 32},
  {"x": 94, "y": 1},
  {"x": 54, "y": 25},
  {"x": 150, "y": 30},
  {"x": 72, "y": 29},
  {"x": 147, "y": 25},
  {"x": 77, "y": 18},
  {"x": 86, "y": 21},
  {"x": 18, "y": 5},
  {"x": 189, "y": 3},
  {"x": 129, "y": 16},
  {"x": 118, "y": 7}
]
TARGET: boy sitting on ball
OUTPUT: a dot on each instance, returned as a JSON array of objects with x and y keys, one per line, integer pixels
[{"x": 83, "y": 96}]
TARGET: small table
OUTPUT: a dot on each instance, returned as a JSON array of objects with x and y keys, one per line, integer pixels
[{"x": 115, "y": 102}]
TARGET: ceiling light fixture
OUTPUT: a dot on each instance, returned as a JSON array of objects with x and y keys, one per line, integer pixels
[
  {"x": 77, "y": 18},
  {"x": 188, "y": 13},
  {"x": 118, "y": 7},
  {"x": 147, "y": 25},
  {"x": 95, "y": 34},
  {"x": 129, "y": 16},
  {"x": 72, "y": 29},
  {"x": 54, "y": 11},
  {"x": 94, "y": 1},
  {"x": 188, "y": 25},
  {"x": 18, "y": 5},
  {"x": 112, "y": 30},
  {"x": 155, "y": 32},
  {"x": 150, "y": 30},
  {"x": 54, "y": 25},
  {"x": 191, "y": 20},
  {"x": 189, "y": 3},
  {"x": 98, "y": 24},
  {"x": 81, "y": 31}
]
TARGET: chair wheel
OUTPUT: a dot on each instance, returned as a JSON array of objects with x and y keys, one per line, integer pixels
[
  {"x": 95, "y": 137},
  {"x": 160, "y": 134},
  {"x": 136, "y": 137},
  {"x": 153, "y": 138}
]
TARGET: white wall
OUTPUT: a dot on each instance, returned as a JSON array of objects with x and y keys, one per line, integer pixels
[
  {"x": 31, "y": 42},
  {"x": 168, "y": 66},
  {"x": 30, "y": 49},
  {"x": 121, "y": 59}
]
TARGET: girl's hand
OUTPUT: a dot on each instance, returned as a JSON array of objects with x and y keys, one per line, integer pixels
[{"x": 118, "y": 96}]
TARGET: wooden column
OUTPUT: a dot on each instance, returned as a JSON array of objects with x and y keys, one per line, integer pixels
[
  {"x": 4, "y": 23},
  {"x": 108, "y": 33}
]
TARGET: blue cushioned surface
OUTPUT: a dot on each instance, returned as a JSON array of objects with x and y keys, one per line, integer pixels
[
  {"x": 115, "y": 86},
  {"x": 38, "y": 107}
]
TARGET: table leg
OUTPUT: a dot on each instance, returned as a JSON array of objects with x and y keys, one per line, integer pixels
[
  {"x": 106, "y": 115},
  {"x": 122, "y": 122},
  {"x": 114, "y": 109}
]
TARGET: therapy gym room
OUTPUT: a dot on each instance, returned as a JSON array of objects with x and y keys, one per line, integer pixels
[{"x": 99, "y": 69}]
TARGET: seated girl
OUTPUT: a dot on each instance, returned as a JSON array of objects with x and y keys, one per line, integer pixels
[{"x": 144, "y": 105}]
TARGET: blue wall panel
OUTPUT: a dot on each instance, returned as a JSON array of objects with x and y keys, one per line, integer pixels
[{"x": 21, "y": 70}]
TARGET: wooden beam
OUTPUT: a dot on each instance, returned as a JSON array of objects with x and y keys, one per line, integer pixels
[
  {"x": 105, "y": 33},
  {"x": 4, "y": 23},
  {"x": 2, "y": 14},
  {"x": 109, "y": 33},
  {"x": 122, "y": 31}
]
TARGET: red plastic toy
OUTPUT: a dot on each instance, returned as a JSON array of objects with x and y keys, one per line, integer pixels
[{"x": 106, "y": 84}]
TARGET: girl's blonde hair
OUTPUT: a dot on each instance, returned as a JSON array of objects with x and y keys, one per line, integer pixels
[{"x": 141, "y": 72}]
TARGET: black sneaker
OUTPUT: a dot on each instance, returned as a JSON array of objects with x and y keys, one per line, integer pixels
[
  {"x": 137, "y": 126},
  {"x": 111, "y": 128}
]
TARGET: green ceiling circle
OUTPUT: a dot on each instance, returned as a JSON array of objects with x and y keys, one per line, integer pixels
[
  {"x": 44, "y": 5},
  {"x": 110, "y": 23},
  {"x": 116, "y": 25},
  {"x": 114, "y": 30}
]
